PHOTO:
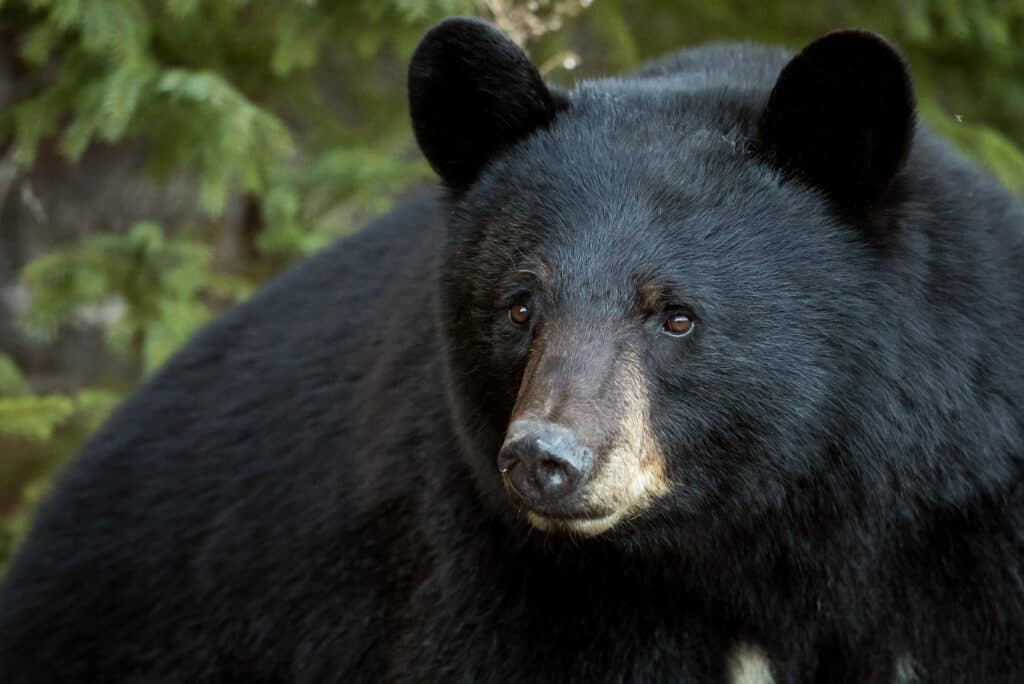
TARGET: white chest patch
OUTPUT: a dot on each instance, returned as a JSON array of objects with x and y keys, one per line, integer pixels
[
  {"x": 748, "y": 664},
  {"x": 906, "y": 670}
]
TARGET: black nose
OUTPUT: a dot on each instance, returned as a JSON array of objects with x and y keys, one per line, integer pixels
[{"x": 545, "y": 462}]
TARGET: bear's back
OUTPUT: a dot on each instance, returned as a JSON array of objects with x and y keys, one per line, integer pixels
[{"x": 185, "y": 508}]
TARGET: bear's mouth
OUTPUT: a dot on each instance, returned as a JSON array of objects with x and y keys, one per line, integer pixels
[
  {"x": 589, "y": 526},
  {"x": 564, "y": 520}
]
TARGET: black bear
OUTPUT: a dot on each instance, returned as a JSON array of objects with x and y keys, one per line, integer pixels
[{"x": 709, "y": 373}]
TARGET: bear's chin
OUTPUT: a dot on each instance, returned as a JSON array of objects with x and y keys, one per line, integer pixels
[{"x": 588, "y": 527}]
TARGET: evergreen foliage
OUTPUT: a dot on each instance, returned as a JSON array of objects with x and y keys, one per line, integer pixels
[{"x": 297, "y": 108}]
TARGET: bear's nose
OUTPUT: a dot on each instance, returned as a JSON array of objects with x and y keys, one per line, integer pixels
[{"x": 544, "y": 462}]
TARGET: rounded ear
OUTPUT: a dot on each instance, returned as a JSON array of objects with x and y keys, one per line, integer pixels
[
  {"x": 473, "y": 92},
  {"x": 841, "y": 115}
]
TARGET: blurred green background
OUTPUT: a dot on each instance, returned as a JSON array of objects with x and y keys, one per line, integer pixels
[{"x": 159, "y": 159}]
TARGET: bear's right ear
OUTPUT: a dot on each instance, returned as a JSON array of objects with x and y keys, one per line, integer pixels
[{"x": 473, "y": 92}]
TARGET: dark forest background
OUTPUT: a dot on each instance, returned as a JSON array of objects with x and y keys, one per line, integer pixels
[{"x": 159, "y": 159}]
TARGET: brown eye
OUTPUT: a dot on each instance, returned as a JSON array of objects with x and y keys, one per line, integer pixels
[
  {"x": 519, "y": 313},
  {"x": 678, "y": 325}
]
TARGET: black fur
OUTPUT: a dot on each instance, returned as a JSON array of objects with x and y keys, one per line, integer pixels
[{"x": 308, "y": 491}]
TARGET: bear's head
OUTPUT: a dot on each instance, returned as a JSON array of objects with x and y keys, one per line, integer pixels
[{"x": 652, "y": 289}]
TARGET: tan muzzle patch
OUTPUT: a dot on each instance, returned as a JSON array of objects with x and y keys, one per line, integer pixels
[{"x": 630, "y": 478}]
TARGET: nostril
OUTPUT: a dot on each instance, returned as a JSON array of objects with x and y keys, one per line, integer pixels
[
  {"x": 554, "y": 475},
  {"x": 506, "y": 459}
]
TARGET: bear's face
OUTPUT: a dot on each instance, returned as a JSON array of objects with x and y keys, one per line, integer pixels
[
  {"x": 656, "y": 305},
  {"x": 643, "y": 319}
]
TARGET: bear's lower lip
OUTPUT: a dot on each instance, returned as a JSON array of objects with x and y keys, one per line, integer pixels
[
  {"x": 590, "y": 526},
  {"x": 560, "y": 516}
]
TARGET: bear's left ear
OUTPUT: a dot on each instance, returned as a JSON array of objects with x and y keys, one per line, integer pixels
[
  {"x": 841, "y": 115},
  {"x": 473, "y": 92}
]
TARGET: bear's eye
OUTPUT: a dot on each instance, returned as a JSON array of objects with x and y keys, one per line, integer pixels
[
  {"x": 519, "y": 313},
  {"x": 678, "y": 325}
]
